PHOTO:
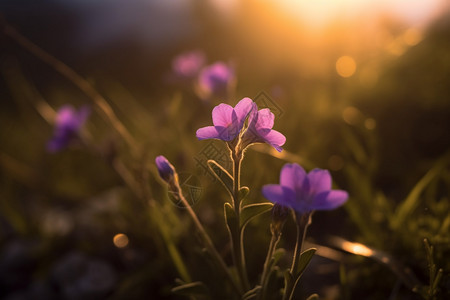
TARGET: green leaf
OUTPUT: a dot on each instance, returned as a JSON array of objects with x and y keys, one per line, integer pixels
[
  {"x": 243, "y": 193},
  {"x": 230, "y": 219},
  {"x": 278, "y": 254},
  {"x": 249, "y": 212},
  {"x": 305, "y": 258},
  {"x": 197, "y": 288},
  {"x": 313, "y": 297},
  {"x": 251, "y": 294},
  {"x": 288, "y": 281},
  {"x": 407, "y": 207},
  {"x": 224, "y": 177}
]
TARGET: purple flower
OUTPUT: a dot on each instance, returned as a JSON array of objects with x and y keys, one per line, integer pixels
[
  {"x": 216, "y": 79},
  {"x": 228, "y": 121},
  {"x": 304, "y": 192},
  {"x": 68, "y": 124},
  {"x": 260, "y": 129},
  {"x": 165, "y": 168},
  {"x": 188, "y": 65}
]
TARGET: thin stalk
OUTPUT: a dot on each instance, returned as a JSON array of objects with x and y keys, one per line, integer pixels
[
  {"x": 238, "y": 249},
  {"x": 207, "y": 240},
  {"x": 302, "y": 221},
  {"x": 266, "y": 271}
]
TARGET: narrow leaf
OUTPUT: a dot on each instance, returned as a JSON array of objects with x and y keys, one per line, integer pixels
[
  {"x": 304, "y": 260},
  {"x": 251, "y": 294},
  {"x": 313, "y": 297},
  {"x": 224, "y": 177},
  {"x": 197, "y": 288},
  {"x": 249, "y": 212},
  {"x": 411, "y": 202}
]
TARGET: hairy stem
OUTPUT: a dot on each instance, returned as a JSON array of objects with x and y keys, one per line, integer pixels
[{"x": 237, "y": 239}]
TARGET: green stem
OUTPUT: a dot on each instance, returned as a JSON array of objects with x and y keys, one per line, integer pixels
[
  {"x": 237, "y": 238},
  {"x": 266, "y": 271},
  {"x": 302, "y": 221},
  {"x": 208, "y": 243}
]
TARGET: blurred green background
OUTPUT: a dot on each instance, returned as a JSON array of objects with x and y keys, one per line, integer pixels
[{"x": 362, "y": 89}]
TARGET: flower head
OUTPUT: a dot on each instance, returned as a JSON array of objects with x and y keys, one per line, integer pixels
[
  {"x": 260, "y": 129},
  {"x": 165, "y": 169},
  {"x": 216, "y": 80},
  {"x": 188, "y": 65},
  {"x": 304, "y": 192},
  {"x": 68, "y": 124},
  {"x": 228, "y": 121}
]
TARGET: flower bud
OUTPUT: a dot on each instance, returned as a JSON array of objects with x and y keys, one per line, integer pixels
[
  {"x": 165, "y": 169},
  {"x": 279, "y": 216}
]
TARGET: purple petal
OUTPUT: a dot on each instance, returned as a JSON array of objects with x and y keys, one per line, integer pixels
[
  {"x": 279, "y": 194},
  {"x": 222, "y": 115},
  {"x": 208, "y": 132},
  {"x": 243, "y": 108},
  {"x": 265, "y": 119},
  {"x": 320, "y": 181},
  {"x": 275, "y": 139},
  {"x": 292, "y": 176},
  {"x": 330, "y": 200}
]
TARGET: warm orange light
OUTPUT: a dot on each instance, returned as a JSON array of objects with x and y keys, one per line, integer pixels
[
  {"x": 345, "y": 66},
  {"x": 412, "y": 36},
  {"x": 120, "y": 240},
  {"x": 358, "y": 249}
]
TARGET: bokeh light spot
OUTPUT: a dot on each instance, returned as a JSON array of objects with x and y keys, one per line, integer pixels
[
  {"x": 345, "y": 66},
  {"x": 352, "y": 115},
  {"x": 120, "y": 240}
]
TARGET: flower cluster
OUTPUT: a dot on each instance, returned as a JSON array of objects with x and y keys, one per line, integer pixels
[
  {"x": 215, "y": 80},
  {"x": 229, "y": 124},
  {"x": 304, "y": 192}
]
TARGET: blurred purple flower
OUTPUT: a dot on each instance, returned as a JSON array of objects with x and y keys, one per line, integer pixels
[
  {"x": 189, "y": 64},
  {"x": 304, "y": 192},
  {"x": 68, "y": 124},
  {"x": 165, "y": 168},
  {"x": 216, "y": 80},
  {"x": 228, "y": 121},
  {"x": 260, "y": 129}
]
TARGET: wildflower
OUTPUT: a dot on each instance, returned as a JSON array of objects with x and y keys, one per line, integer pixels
[
  {"x": 304, "y": 192},
  {"x": 188, "y": 65},
  {"x": 228, "y": 121},
  {"x": 260, "y": 129},
  {"x": 216, "y": 80},
  {"x": 68, "y": 124},
  {"x": 165, "y": 169}
]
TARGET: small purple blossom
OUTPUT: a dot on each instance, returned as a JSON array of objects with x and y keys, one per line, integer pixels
[
  {"x": 68, "y": 124},
  {"x": 228, "y": 121},
  {"x": 189, "y": 64},
  {"x": 165, "y": 168},
  {"x": 216, "y": 80},
  {"x": 260, "y": 129},
  {"x": 304, "y": 192}
]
